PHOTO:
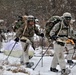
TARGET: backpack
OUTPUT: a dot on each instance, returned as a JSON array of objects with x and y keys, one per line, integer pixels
[
  {"x": 17, "y": 25},
  {"x": 50, "y": 24}
]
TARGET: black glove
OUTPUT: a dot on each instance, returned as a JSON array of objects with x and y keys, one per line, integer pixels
[
  {"x": 42, "y": 35},
  {"x": 54, "y": 37},
  {"x": 60, "y": 43},
  {"x": 16, "y": 39}
]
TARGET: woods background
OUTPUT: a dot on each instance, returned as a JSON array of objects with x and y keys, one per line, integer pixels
[{"x": 42, "y": 9}]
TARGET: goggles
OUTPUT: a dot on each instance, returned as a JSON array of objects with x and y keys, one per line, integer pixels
[{"x": 68, "y": 18}]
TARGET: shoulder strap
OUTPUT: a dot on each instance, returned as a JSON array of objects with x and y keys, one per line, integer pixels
[
  {"x": 24, "y": 27},
  {"x": 60, "y": 26}
]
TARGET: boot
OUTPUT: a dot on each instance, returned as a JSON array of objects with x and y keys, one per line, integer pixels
[
  {"x": 29, "y": 64},
  {"x": 70, "y": 62},
  {"x": 53, "y": 69},
  {"x": 65, "y": 71},
  {"x": 1, "y": 52},
  {"x": 22, "y": 62}
]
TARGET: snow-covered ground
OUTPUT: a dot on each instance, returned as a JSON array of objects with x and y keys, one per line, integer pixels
[
  {"x": 41, "y": 69},
  {"x": 13, "y": 66}
]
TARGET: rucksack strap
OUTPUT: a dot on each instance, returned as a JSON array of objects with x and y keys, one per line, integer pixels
[
  {"x": 24, "y": 28},
  {"x": 60, "y": 26}
]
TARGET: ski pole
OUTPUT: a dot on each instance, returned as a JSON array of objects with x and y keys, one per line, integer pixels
[
  {"x": 41, "y": 57},
  {"x": 11, "y": 51},
  {"x": 42, "y": 52}
]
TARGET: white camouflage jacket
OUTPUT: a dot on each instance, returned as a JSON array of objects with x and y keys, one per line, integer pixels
[{"x": 64, "y": 32}]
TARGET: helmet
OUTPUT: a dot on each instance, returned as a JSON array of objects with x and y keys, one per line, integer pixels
[
  {"x": 31, "y": 18},
  {"x": 36, "y": 20},
  {"x": 67, "y": 15}
]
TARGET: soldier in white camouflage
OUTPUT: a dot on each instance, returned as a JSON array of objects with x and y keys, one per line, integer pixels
[
  {"x": 60, "y": 33},
  {"x": 25, "y": 34},
  {"x": 49, "y": 25}
]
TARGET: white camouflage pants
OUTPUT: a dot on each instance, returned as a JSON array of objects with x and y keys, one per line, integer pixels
[
  {"x": 70, "y": 49},
  {"x": 58, "y": 56},
  {"x": 25, "y": 55}
]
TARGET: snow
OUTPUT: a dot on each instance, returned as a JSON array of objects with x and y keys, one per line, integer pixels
[{"x": 43, "y": 68}]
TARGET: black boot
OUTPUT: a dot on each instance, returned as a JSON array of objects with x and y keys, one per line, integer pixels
[
  {"x": 70, "y": 62},
  {"x": 53, "y": 69},
  {"x": 1, "y": 52},
  {"x": 29, "y": 64}
]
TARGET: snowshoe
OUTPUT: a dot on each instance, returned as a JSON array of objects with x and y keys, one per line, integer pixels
[
  {"x": 71, "y": 66},
  {"x": 65, "y": 71},
  {"x": 29, "y": 64}
]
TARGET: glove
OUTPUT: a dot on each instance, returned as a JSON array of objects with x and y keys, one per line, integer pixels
[
  {"x": 60, "y": 43},
  {"x": 16, "y": 39},
  {"x": 54, "y": 37},
  {"x": 42, "y": 35},
  {"x": 70, "y": 41}
]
